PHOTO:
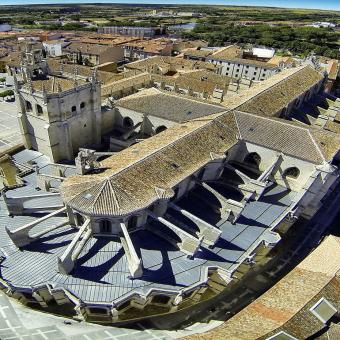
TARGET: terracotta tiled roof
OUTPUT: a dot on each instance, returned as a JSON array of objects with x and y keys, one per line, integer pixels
[
  {"x": 284, "y": 88},
  {"x": 54, "y": 84},
  {"x": 138, "y": 175},
  {"x": 278, "y": 135},
  {"x": 92, "y": 49},
  {"x": 286, "y": 305},
  {"x": 167, "y": 105}
]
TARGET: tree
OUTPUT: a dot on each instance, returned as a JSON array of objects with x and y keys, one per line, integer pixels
[{"x": 7, "y": 93}]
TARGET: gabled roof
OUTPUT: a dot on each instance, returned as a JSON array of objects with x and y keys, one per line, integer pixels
[
  {"x": 168, "y": 106},
  {"x": 136, "y": 176},
  {"x": 139, "y": 173},
  {"x": 279, "y": 135},
  {"x": 284, "y": 88},
  {"x": 286, "y": 305}
]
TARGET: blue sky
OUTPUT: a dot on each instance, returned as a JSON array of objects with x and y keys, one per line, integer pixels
[{"x": 326, "y": 4}]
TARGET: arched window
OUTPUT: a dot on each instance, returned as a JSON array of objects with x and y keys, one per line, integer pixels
[
  {"x": 82, "y": 105},
  {"x": 28, "y": 106},
  {"x": 39, "y": 109},
  {"x": 253, "y": 159},
  {"x": 80, "y": 219},
  {"x": 105, "y": 226},
  {"x": 74, "y": 109},
  {"x": 128, "y": 122},
  {"x": 160, "y": 128},
  {"x": 292, "y": 172}
]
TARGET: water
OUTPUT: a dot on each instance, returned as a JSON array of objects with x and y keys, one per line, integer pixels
[{"x": 188, "y": 26}]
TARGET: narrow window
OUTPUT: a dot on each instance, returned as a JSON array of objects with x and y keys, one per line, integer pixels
[
  {"x": 28, "y": 106},
  {"x": 39, "y": 109}
]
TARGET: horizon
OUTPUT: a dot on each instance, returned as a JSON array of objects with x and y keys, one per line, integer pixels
[{"x": 329, "y": 5}]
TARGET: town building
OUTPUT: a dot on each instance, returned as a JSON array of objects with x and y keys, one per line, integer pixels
[
  {"x": 303, "y": 304},
  {"x": 132, "y": 31},
  {"x": 236, "y": 63},
  {"x": 54, "y": 48},
  {"x": 93, "y": 54},
  {"x": 148, "y": 48}
]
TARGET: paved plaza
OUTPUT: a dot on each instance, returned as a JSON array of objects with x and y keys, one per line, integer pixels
[
  {"x": 20, "y": 323},
  {"x": 9, "y": 127}
]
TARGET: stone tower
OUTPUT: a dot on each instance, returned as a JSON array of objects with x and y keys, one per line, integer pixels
[
  {"x": 57, "y": 114},
  {"x": 33, "y": 65}
]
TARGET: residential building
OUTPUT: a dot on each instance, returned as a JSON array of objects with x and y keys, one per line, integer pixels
[
  {"x": 132, "y": 31},
  {"x": 93, "y": 54},
  {"x": 148, "y": 48},
  {"x": 235, "y": 63},
  {"x": 54, "y": 48}
]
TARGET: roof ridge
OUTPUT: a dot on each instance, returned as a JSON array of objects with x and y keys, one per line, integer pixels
[
  {"x": 190, "y": 99},
  {"x": 298, "y": 69},
  {"x": 115, "y": 198},
  {"x": 98, "y": 194},
  {"x": 279, "y": 120},
  {"x": 154, "y": 152},
  {"x": 316, "y": 145}
]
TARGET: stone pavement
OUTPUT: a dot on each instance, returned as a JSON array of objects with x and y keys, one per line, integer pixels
[
  {"x": 9, "y": 127},
  {"x": 18, "y": 322}
]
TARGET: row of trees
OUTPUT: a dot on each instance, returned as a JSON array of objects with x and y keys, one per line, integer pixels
[
  {"x": 6, "y": 93},
  {"x": 299, "y": 40}
]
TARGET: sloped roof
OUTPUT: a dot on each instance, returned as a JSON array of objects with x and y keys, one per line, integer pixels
[
  {"x": 288, "y": 138},
  {"x": 93, "y": 49},
  {"x": 235, "y": 54},
  {"x": 328, "y": 142},
  {"x": 141, "y": 174},
  {"x": 145, "y": 172},
  {"x": 292, "y": 84},
  {"x": 228, "y": 52},
  {"x": 146, "y": 64},
  {"x": 202, "y": 81},
  {"x": 283, "y": 305},
  {"x": 168, "y": 106},
  {"x": 83, "y": 71},
  {"x": 54, "y": 84}
]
